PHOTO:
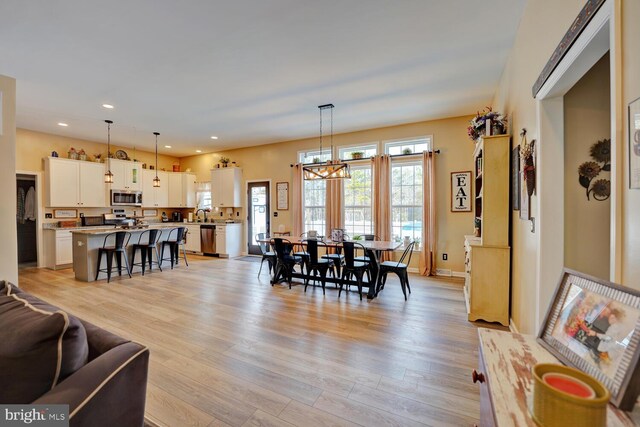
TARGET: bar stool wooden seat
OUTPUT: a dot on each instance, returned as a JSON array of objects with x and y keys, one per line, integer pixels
[{"x": 118, "y": 250}]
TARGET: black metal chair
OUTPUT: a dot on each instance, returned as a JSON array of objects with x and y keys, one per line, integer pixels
[
  {"x": 285, "y": 262},
  {"x": 352, "y": 267},
  {"x": 267, "y": 254},
  {"x": 399, "y": 268},
  {"x": 119, "y": 250},
  {"x": 303, "y": 253},
  {"x": 316, "y": 265},
  {"x": 174, "y": 246},
  {"x": 369, "y": 238},
  {"x": 336, "y": 257},
  {"x": 147, "y": 247}
]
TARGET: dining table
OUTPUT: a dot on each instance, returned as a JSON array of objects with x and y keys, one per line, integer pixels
[{"x": 373, "y": 249}]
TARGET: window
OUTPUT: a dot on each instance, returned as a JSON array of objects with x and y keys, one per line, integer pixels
[
  {"x": 312, "y": 156},
  {"x": 203, "y": 195},
  {"x": 406, "y": 200},
  {"x": 408, "y": 146},
  {"x": 314, "y": 212},
  {"x": 367, "y": 151},
  {"x": 358, "y": 216}
]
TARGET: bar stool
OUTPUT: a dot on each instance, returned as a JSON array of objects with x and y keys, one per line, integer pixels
[
  {"x": 118, "y": 250},
  {"x": 146, "y": 250},
  {"x": 174, "y": 246}
]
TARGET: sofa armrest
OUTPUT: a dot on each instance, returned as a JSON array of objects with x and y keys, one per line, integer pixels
[{"x": 110, "y": 390}]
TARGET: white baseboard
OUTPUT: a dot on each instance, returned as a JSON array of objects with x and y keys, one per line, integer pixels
[
  {"x": 413, "y": 270},
  {"x": 458, "y": 274},
  {"x": 512, "y": 326},
  {"x": 445, "y": 272}
]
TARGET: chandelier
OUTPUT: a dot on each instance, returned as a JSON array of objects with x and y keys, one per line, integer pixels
[{"x": 329, "y": 169}]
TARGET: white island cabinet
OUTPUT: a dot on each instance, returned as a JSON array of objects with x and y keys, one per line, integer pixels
[
  {"x": 58, "y": 248},
  {"x": 228, "y": 236},
  {"x": 71, "y": 183}
]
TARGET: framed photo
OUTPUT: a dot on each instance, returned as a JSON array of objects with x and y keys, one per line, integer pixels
[
  {"x": 515, "y": 178},
  {"x": 149, "y": 212},
  {"x": 282, "y": 196},
  {"x": 634, "y": 144},
  {"x": 65, "y": 213},
  {"x": 594, "y": 325},
  {"x": 461, "y": 191}
]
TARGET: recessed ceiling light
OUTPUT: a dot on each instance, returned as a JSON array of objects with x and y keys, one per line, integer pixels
[
  {"x": 109, "y": 106},
  {"x": 214, "y": 137},
  {"x": 64, "y": 125},
  {"x": 198, "y": 151},
  {"x": 167, "y": 146}
]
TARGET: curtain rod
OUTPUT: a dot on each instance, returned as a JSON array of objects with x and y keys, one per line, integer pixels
[{"x": 365, "y": 158}]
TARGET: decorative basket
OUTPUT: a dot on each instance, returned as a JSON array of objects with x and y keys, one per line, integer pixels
[
  {"x": 552, "y": 407},
  {"x": 530, "y": 175}
]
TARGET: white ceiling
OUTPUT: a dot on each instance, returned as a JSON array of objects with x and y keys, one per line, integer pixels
[{"x": 249, "y": 71}]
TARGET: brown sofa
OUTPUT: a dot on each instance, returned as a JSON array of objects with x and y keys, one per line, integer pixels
[{"x": 101, "y": 376}]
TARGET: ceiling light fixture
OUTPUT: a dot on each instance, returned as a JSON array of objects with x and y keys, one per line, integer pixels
[
  {"x": 214, "y": 137},
  {"x": 198, "y": 151},
  {"x": 64, "y": 125},
  {"x": 108, "y": 177},
  {"x": 156, "y": 180},
  {"x": 108, "y": 106},
  {"x": 167, "y": 146},
  {"x": 329, "y": 169}
]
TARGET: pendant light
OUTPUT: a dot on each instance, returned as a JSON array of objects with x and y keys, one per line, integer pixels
[
  {"x": 156, "y": 180},
  {"x": 330, "y": 169},
  {"x": 108, "y": 177}
]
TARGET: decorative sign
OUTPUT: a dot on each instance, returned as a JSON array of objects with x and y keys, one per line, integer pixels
[
  {"x": 282, "y": 196},
  {"x": 461, "y": 191},
  {"x": 150, "y": 212},
  {"x": 634, "y": 144},
  {"x": 515, "y": 178},
  {"x": 65, "y": 213}
]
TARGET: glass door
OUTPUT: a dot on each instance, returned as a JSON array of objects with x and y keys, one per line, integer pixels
[{"x": 259, "y": 212}]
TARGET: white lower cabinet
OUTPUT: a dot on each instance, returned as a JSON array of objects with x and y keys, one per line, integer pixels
[
  {"x": 193, "y": 239},
  {"x": 228, "y": 240},
  {"x": 58, "y": 248}
]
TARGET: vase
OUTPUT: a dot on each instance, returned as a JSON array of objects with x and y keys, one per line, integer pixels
[{"x": 530, "y": 175}]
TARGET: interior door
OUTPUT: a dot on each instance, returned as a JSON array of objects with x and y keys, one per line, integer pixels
[{"x": 258, "y": 208}]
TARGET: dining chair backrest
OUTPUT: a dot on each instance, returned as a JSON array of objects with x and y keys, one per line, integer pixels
[
  {"x": 312, "y": 249},
  {"x": 152, "y": 236},
  {"x": 179, "y": 233},
  {"x": 303, "y": 235},
  {"x": 283, "y": 247},
  {"x": 408, "y": 251},
  {"x": 120, "y": 239},
  {"x": 264, "y": 246},
  {"x": 349, "y": 252}
]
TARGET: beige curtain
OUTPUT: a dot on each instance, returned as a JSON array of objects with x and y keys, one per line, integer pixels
[
  {"x": 333, "y": 206},
  {"x": 428, "y": 214},
  {"x": 382, "y": 199},
  {"x": 296, "y": 197}
]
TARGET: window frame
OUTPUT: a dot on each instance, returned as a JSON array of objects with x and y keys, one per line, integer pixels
[
  {"x": 398, "y": 162},
  {"x": 359, "y": 166},
  {"x": 360, "y": 147},
  {"x": 428, "y": 139}
]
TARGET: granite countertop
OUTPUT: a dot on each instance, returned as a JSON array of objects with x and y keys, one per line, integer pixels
[{"x": 102, "y": 230}]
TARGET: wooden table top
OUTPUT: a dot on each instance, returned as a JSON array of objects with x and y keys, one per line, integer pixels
[{"x": 374, "y": 245}]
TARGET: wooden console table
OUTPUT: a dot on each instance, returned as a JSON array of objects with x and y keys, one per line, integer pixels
[{"x": 504, "y": 376}]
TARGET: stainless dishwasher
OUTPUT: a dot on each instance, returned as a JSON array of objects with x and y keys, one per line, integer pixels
[{"x": 208, "y": 239}]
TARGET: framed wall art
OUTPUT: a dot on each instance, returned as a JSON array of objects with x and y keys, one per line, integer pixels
[
  {"x": 461, "y": 191},
  {"x": 634, "y": 144},
  {"x": 282, "y": 196},
  {"x": 65, "y": 213},
  {"x": 593, "y": 325},
  {"x": 515, "y": 178}
]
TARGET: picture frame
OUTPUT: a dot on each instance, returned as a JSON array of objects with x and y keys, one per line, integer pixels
[
  {"x": 515, "y": 178},
  {"x": 65, "y": 213},
  {"x": 149, "y": 212},
  {"x": 594, "y": 325},
  {"x": 634, "y": 144},
  {"x": 461, "y": 191},
  {"x": 282, "y": 196}
]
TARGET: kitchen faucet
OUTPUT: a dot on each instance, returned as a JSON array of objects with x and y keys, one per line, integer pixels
[{"x": 205, "y": 214}]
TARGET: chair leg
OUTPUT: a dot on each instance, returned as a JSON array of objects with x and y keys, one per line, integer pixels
[
  {"x": 406, "y": 280},
  {"x": 157, "y": 259},
  {"x": 359, "y": 282},
  {"x": 109, "y": 265},
  {"x": 323, "y": 277},
  {"x": 119, "y": 262},
  {"x": 184, "y": 254},
  {"x": 342, "y": 279},
  {"x": 99, "y": 262},
  {"x": 143, "y": 255},
  {"x": 306, "y": 279},
  {"x": 172, "y": 253},
  {"x": 126, "y": 263},
  {"x": 261, "y": 262},
  {"x": 150, "y": 257}
]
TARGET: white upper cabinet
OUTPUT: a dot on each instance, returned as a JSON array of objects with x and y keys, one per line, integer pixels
[
  {"x": 72, "y": 183},
  {"x": 189, "y": 190},
  {"x": 175, "y": 190},
  {"x": 226, "y": 187},
  {"x": 155, "y": 196},
  {"x": 126, "y": 175}
]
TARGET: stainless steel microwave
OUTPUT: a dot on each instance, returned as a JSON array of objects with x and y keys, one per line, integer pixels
[{"x": 126, "y": 198}]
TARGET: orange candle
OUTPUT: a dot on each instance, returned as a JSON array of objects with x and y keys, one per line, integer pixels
[{"x": 569, "y": 385}]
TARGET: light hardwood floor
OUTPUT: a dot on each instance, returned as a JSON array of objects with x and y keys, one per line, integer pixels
[{"x": 229, "y": 349}]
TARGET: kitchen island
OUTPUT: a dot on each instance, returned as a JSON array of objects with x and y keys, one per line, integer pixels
[{"x": 86, "y": 243}]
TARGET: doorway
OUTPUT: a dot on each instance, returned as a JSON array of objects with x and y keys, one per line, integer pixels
[
  {"x": 258, "y": 207},
  {"x": 27, "y": 220}
]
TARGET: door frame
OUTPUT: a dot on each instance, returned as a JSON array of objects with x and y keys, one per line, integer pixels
[
  {"x": 39, "y": 213},
  {"x": 602, "y": 34},
  {"x": 246, "y": 228}
]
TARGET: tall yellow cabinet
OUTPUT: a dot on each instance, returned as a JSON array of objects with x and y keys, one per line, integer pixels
[{"x": 487, "y": 257}]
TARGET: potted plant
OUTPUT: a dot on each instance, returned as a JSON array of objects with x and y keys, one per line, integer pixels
[
  {"x": 355, "y": 155},
  {"x": 316, "y": 160},
  {"x": 407, "y": 151},
  {"x": 224, "y": 161}
]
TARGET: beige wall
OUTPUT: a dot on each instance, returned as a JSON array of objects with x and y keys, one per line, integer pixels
[
  {"x": 587, "y": 119},
  {"x": 272, "y": 162},
  {"x": 630, "y": 91},
  {"x": 542, "y": 26},
  {"x": 8, "y": 233}
]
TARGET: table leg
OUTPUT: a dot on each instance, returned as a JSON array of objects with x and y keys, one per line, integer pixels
[{"x": 375, "y": 273}]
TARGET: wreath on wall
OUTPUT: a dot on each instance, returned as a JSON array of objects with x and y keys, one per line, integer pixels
[{"x": 588, "y": 171}]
